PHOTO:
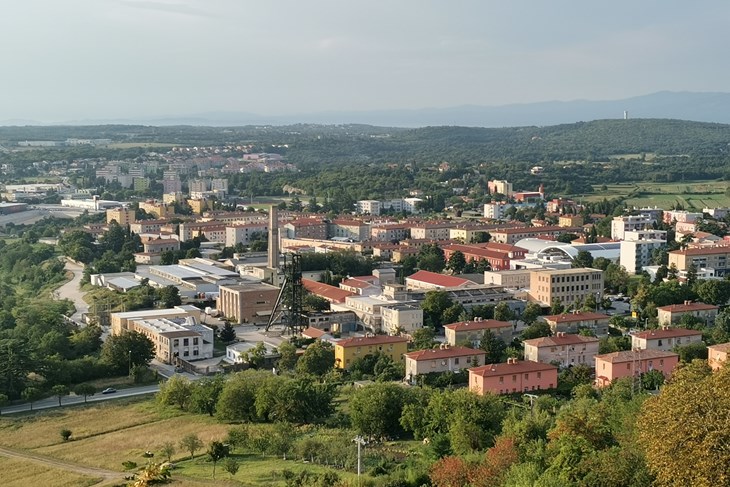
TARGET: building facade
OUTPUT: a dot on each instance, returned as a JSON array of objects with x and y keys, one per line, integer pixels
[
  {"x": 350, "y": 349},
  {"x": 247, "y": 303},
  {"x": 566, "y": 349},
  {"x": 566, "y": 286},
  {"x": 633, "y": 363},
  {"x": 511, "y": 377},
  {"x": 439, "y": 360}
]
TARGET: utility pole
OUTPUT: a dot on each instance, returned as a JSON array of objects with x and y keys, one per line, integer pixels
[{"x": 360, "y": 441}]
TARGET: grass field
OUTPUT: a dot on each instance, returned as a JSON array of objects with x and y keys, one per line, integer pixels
[
  {"x": 690, "y": 194},
  {"x": 23, "y": 473}
]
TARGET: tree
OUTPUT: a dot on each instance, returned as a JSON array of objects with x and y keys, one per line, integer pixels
[
  {"x": 205, "y": 395},
  {"x": 287, "y": 356},
  {"x": 689, "y": 417},
  {"x": 502, "y": 312},
  {"x": 65, "y": 434},
  {"x": 532, "y": 312},
  {"x": 238, "y": 436},
  {"x": 318, "y": 359},
  {"x": 191, "y": 443},
  {"x": 170, "y": 296},
  {"x": 375, "y": 410},
  {"x": 616, "y": 278},
  {"x": 688, "y": 353},
  {"x": 713, "y": 291},
  {"x": 434, "y": 305},
  {"x": 315, "y": 303},
  {"x": 566, "y": 237},
  {"x": 227, "y": 333},
  {"x": 431, "y": 258},
  {"x": 456, "y": 262},
  {"x": 231, "y": 466},
  {"x": 556, "y": 307},
  {"x": 493, "y": 346},
  {"x": 4, "y": 400},
  {"x": 177, "y": 390},
  {"x": 449, "y": 472},
  {"x": 167, "y": 450},
  {"x": 31, "y": 394},
  {"x": 60, "y": 391},
  {"x": 538, "y": 329},
  {"x": 424, "y": 338},
  {"x": 216, "y": 451},
  {"x": 128, "y": 350},
  {"x": 583, "y": 259}
]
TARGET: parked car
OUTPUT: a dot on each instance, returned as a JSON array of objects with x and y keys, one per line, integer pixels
[{"x": 109, "y": 390}]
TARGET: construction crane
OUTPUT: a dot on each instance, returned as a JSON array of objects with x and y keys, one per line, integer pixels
[{"x": 289, "y": 308}]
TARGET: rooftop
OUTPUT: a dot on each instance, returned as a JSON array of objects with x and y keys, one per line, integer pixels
[
  {"x": 720, "y": 347},
  {"x": 560, "y": 340},
  {"x": 581, "y": 316},
  {"x": 631, "y": 355},
  {"x": 370, "y": 340},
  {"x": 667, "y": 333},
  {"x": 436, "y": 279},
  {"x": 326, "y": 291},
  {"x": 442, "y": 353},
  {"x": 478, "y": 324},
  {"x": 684, "y": 307},
  {"x": 516, "y": 367}
]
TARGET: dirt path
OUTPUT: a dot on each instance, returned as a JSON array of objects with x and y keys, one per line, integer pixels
[
  {"x": 109, "y": 477},
  {"x": 71, "y": 290}
]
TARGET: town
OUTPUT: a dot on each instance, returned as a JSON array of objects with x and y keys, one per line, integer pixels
[{"x": 523, "y": 294}]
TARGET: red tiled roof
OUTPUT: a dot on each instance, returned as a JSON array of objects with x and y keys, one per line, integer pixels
[
  {"x": 312, "y": 332},
  {"x": 478, "y": 325},
  {"x": 539, "y": 230},
  {"x": 330, "y": 293},
  {"x": 441, "y": 353},
  {"x": 720, "y": 347},
  {"x": 631, "y": 355},
  {"x": 559, "y": 340},
  {"x": 518, "y": 367},
  {"x": 356, "y": 282},
  {"x": 681, "y": 308},
  {"x": 667, "y": 333},
  {"x": 438, "y": 279},
  {"x": 371, "y": 340},
  {"x": 570, "y": 317}
]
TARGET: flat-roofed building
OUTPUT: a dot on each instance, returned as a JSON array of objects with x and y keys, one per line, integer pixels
[
  {"x": 471, "y": 331},
  {"x": 514, "y": 278},
  {"x": 245, "y": 233},
  {"x": 633, "y": 363},
  {"x": 247, "y": 303},
  {"x": 577, "y": 320},
  {"x": 714, "y": 260},
  {"x": 120, "y": 321},
  {"x": 566, "y": 286},
  {"x": 512, "y": 377},
  {"x": 664, "y": 339},
  {"x": 627, "y": 223},
  {"x": 123, "y": 216},
  {"x": 443, "y": 359},
  {"x": 514, "y": 235},
  {"x": 174, "y": 338},
  {"x": 401, "y": 318},
  {"x": 673, "y": 313},
  {"x": 565, "y": 349},
  {"x": 350, "y": 349}
]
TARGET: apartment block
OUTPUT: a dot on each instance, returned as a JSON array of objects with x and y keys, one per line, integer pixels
[
  {"x": 567, "y": 286},
  {"x": 565, "y": 349},
  {"x": 513, "y": 377}
]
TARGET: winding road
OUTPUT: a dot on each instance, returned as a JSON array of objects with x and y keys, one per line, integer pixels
[{"x": 72, "y": 291}]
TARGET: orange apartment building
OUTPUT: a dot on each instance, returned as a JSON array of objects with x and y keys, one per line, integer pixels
[
  {"x": 514, "y": 376},
  {"x": 631, "y": 363},
  {"x": 717, "y": 355}
]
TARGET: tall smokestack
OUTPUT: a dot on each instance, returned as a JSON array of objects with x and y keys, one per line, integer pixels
[{"x": 273, "y": 238}]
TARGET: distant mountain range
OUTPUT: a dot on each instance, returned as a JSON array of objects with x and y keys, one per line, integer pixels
[{"x": 701, "y": 107}]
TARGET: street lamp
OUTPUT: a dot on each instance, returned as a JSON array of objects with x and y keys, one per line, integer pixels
[
  {"x": 532, "y": 398},
  {"x": 360, "y": 442},
  {"x": 130, "y": 364}
]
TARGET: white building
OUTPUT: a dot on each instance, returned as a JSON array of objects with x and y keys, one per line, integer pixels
[
  {"x": 368, "y": 207},
  {"x": 637, "y": 248},
  {"x": 175, "y": 338},
  {"x": 401, "y": 317},
  {"x": 627, "y": 223},
  {"x": 496, "y": 211}
]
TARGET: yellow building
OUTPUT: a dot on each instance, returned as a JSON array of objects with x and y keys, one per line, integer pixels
[
  {"x": 159, "y": 210},
  {"x": 123, "y": 216},
  {"x": 567, "y": 286},
  {"x": 570, "y": 221},
  {"x": 353, "y": 348},
  {"x": 199, "y": 205}
]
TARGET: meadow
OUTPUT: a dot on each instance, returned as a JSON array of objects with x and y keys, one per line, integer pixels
[{"x": 689, "y": 194}]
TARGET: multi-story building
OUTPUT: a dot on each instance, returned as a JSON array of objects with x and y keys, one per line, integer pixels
[
  {"x": 500, "y": 186},
  {"x": 171, "y": 182},
  {"x": 496, "y": 210},
  {"x": 213, "y": 231},
  {"x": 433, "y": 280},
  {"x": 159, "y": 244},
  {"x": 626, "y": 223},
  {"x": 715, "y": 261},
  {"x": 368, "y": 207},
  {"x": 469, "y": 233},
  {"x": 514, "y": 235},
  {"x": 431, "y": 231},
  {"x": 516, "y": 278},
  {"x": 664, "y": 339},
  {"x": 157, "y": 208},
  {"x": 681, "y": 216},
  {"x": 673, "y": 313},
  {"x": 147, "y": 226},
  {"x": 351, "y": 229},
  {"x": 245, "y": 233},
  {"x": 199, "y": 205},
  {"x": 350, "y": 349},
  {"x": 633, "y": 363},
  {"x": 198, "y": 186},
  {"x": 471, "y": 332},
  {"x": 389, "y": 232},
  {"x": 123, "y": 216},
  {"x": 314, "y": 228},
  {"x": 570, "y": 221},
  {"x": 638, "y": 246},
  {"x": 247, "y": 303},
  {"x": 577, "y": 320},
  {"x": 565, "y": 349},
  {"x": 401, "y": 318},
  {"x": 513, "y": 377},
  {"x": 175, "y": 338},
  {"x": 499, "y": 259},
  {"x": 443, "y": 359},
  {"x": 121, "y": 322},
  {"x": 566, "y": 286},
  {"x": 717, "y": 355}
]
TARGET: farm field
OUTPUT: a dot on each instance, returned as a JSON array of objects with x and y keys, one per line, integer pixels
[
  {"x": 21, "y": 473},
  {"x": 690, "y": 194}
]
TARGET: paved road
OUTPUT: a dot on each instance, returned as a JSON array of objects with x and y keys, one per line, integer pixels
[
  {"x": 71, "y": 290},
  {"x": 52, "y": 402},
  {"x": 109, "y": 477}
]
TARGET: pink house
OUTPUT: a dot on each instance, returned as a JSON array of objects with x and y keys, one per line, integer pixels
[
  {"x": 615, "y": 365},
  {"x": 717, "y": 355},
  {"x": 512, "y": 376}
]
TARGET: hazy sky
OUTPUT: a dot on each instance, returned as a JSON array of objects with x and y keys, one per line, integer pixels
[{"x": 76, "y": 59}]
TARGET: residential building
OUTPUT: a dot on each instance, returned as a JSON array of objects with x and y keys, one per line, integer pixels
[
  {"x": 389, "y": 232},
  {"x": 715, "y": 260},
  {"x": 500, "y": 186},
  {"x": 512, "y": 377},
  {"x": 351, "y": 229},
  {"x": 717, "y": 355},
  {"x": 123, "y": 216},
  {"x": 247, "y": 303},
  {"x": 315, "y": 228},
  {"x": 566, "y": 286},
  {"x": 626, "y": 223},
  {"x": 570, "y": 221},
  {"x": 213, "y": 231},
  {"x": 147, "y": 226},
  {"x": 577, "y": 320},
  {"x": 246, "y": 233},
  {"x": 664, "y": 339},
  {"x": 638, "y": 246},
  {"x": 433, "y": 280},
  {"x": 158, "y": 209},
  {"x": 681, "y": 216},
  {"x": 159, "y": 244},
  {"x": 496, "y": 210},
  {"x": 498, "y": 259},
  {"x": 175, "y": 338},
  {"x": 471, "y": 331},
  {"x": 368, "y": 207},
  {"x": 673, "y": 313},
  {"x": 238, "y": 353},
  {"x": 431, "y": 231},
  {"x": 332, "y": 294},
  {"x": 515, "y": 278},
  {"x": 633, "y": 363},
  {"x": 443, "y": 359},
  {"x": 401, "y": 318},
  {"x": 199, "y": 205},
  {"x": 350, "y": 349},
  {"x": 469, "y": 233},
  {"x": 565, "y": 349},
  {"x": 514, "y": 235}
]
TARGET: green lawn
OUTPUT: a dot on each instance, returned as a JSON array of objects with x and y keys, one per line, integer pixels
[{"x": 690, "y": 194}]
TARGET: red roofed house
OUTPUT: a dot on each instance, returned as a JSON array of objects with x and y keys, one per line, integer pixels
[
  {"x": 664, "y": 339},
  {"x": 472, "y": 331},
  {"x": 572, "y": 322},
  {"x": 444, "y": 359},
  {"x": 362, "y": 285},
  {"x": 434, "y": 280},
  {"x": 615, "y": 365},
  {"x": 673, "y": 313},
  {"x": 513, "y": 376},
  {"x": 350, "y": 349},
  {"x": 717, "y": 355},
  {"x": 314, "y": 228},
  {"x": 564, "y": 348},
  {"x": 498, "y": 259},
  {"x": 330, "y": 293}
]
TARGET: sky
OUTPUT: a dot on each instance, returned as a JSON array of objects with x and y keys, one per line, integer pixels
[{"x": 106, "y": 59}]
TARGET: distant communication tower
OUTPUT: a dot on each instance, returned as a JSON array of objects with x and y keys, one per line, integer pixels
[{"x": 626, "y": 114}]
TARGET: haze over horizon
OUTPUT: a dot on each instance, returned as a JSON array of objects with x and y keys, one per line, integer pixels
[{"x": 136, "y": 59}]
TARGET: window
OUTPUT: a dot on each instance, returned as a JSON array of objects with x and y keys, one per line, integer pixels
[
  {"x": 661, "y": 362},
  {"x": 186, "y": 353},
  {"x": 628, "y": 366},
  {"x": 539, "y": 375},
  {"x": 186, "y": 342},
  {"x": 660, "y": 342},
  {"x": 501, "y": 380},
  {"x": 514, "y": 378},
  {"x": 195, "y": 341},
  {"x": 456, "y": 361},
  {"x": 527, "y": 376},
  {"x": 175, "y": 342},
  {"x": 195, "y": 352},
  {"x": 433, "y": 364}
]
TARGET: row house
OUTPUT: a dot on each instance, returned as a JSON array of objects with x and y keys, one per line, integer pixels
[
  {"x": 512, "y": 377},
  {"x": 578, "y": 320},
  {"x": 443, "y": 359},
  {"x": 562, "y": 348},
  {"x": 513, "y": 235},
  {"x": 673, "y": 313}
]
